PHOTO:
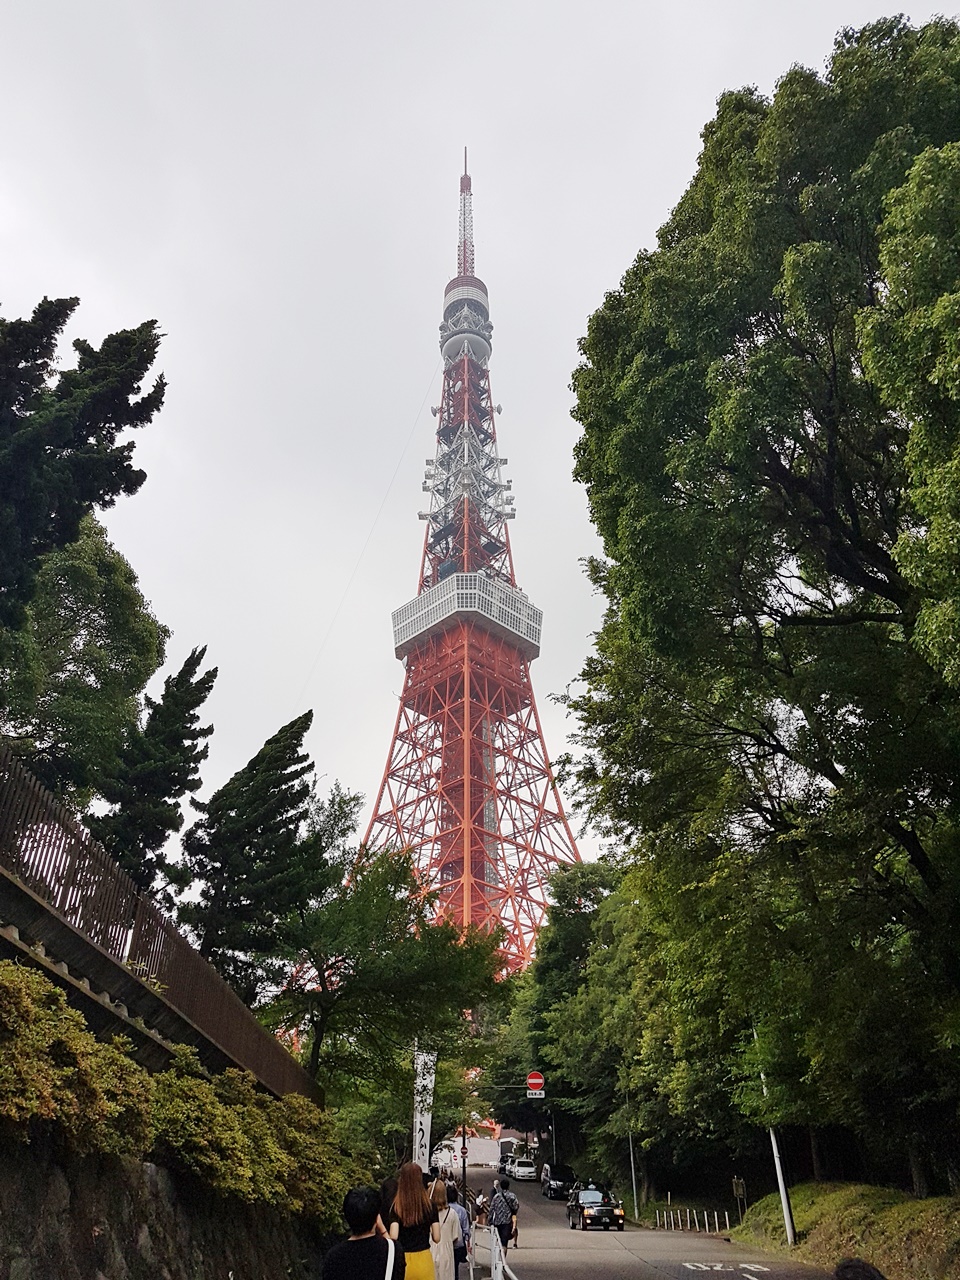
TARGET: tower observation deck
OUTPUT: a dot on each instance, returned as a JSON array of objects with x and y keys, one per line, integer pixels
[{"x": 468, "y": 786}]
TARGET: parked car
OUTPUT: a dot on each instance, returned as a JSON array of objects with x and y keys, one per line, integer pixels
[
  {"x": 591, "y": 1206},
  {"x": 523, "y": 1170},
  {"x": 556, "y": 1181},
  {"x": 504, "y": 1165}
]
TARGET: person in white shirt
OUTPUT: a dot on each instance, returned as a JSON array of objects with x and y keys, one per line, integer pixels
[{"x": 450, "y": 1234}]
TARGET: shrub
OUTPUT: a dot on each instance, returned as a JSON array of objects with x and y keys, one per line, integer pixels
[
  {"x": 222, "y": 1129},
  {"x": 53, "y": 1069}
]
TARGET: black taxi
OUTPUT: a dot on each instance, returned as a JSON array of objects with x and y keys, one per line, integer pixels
[{"x": 591, "y": 1206}]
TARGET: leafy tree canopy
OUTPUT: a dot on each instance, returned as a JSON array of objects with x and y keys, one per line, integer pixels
[
  {"x": 769, "y": 449},
  {"x": 73, "y": 675},
  {"x": 59, "y": 456},
  {"x": 370, "y": 971}
]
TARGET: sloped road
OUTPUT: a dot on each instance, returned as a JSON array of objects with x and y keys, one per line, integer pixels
[{"x": 549, "y": 1250}]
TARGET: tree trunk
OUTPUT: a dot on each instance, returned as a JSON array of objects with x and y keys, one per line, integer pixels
[
  {"x": 645, "y": 1187},
  {"x": 815, "y": 1160},
  {"x": 316, "y": 1026},
  {"x": 918, "y": 1170}
]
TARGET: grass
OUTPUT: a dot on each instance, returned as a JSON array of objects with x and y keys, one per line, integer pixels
[{"x": 906, "y": 1239}]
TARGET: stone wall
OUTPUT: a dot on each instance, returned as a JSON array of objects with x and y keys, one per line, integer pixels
[{"x": 103, "y": 1218}]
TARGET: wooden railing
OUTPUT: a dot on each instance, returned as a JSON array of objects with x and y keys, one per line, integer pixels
[{"x": 44, "y": 847}]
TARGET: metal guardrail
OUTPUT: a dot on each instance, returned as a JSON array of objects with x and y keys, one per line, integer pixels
[
  {"x": 44, "y": 846},
  {"x": 673, "y": 1220},
  {"x": 498, "y": 1262}
]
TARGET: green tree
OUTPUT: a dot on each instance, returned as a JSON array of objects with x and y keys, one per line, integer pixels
[
  {"x": 370, "y": 970},
  {"x": 59, "y": 456},
  {"x": 564, "y": 943},
  {"x": 158, "y": 765},
  {"x": 247, "y": 858},
  {"x": 74, "y": 673},
  {"x": 761, "y": 710},
  {"x": 374, "y": 1116},
  {"x": 556, "y": 974},
  {"x": 911, "y": 352}
]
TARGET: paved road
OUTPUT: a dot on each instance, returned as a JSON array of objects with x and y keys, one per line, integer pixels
[{"x": 549, "y": 1250}]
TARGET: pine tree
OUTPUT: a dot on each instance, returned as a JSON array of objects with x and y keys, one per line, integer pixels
[
  {"x": 158, "y": 766},
  {"x": 59, "y": 456},
  {"x": 243, "y": 853}
]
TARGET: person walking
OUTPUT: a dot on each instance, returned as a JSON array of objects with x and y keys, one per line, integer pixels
[
  {"x": 450, "y": 1234},
  {"x": 414, "y": 1224},
  {"x": 460, "y": 1250},
  {"x": 482, "y": 1204},
  {"x": 369, "y": 1253},
  {"x": 504, "y": 1207}
]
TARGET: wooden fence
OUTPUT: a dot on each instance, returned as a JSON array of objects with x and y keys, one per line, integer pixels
[{"x": 44, "y": 847}]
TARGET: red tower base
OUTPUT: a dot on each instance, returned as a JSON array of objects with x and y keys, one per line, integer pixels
[{"x": 468, "y": 787}]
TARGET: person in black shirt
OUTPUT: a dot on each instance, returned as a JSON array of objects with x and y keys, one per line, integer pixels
[
  {"x": 365, "y": 1255},
  {"x": 414, "y": 1223}
]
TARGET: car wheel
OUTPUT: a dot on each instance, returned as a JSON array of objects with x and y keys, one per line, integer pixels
[
  {"x": 619, "y": 1226},
  {"x": 583, "y": 1224},
  {"x": 573, "y": 1225}
]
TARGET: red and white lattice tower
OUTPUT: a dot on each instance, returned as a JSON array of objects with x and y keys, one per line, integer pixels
[{"x": 468, "y": 786}]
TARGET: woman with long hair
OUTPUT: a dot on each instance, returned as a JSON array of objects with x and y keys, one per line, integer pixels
[
  {"x": 450, "y": 1233},
  {"x": 414, "y": 1223}
]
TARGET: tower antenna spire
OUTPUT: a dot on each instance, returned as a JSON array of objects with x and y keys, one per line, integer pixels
[{"x": 465, "y": 257}]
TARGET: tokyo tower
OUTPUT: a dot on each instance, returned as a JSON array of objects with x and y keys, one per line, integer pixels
[{"x": 468, "y": 787}]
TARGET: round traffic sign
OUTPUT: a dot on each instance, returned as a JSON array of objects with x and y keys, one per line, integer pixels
[
  {"x": 535, "y": 1080},
  {"x": 463, "y": 1151}
]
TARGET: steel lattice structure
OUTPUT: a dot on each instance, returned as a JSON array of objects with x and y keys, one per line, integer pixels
[{"x": 468, "y": 785}]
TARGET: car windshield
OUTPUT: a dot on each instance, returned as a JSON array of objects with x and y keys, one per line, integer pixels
[
  {"x": 524, "y": 1164},
  {"x": 591, "y": 1197}
]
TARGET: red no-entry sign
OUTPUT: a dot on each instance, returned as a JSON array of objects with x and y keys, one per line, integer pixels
[{"x": 535, "y": 1080}]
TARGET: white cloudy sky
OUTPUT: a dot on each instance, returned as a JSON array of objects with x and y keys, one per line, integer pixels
[{"x": 276, "y": 183}]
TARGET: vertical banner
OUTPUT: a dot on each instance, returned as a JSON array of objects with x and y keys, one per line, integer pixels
[{"x": 424, "y": 1075}]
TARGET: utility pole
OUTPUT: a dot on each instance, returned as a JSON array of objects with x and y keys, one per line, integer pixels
[
  {"x": 788, "y": 1222},
  {"x": 782, "y": 1184},
  {"x": 633, "y": 1177},
  {"x": 633, "y": 1167}
]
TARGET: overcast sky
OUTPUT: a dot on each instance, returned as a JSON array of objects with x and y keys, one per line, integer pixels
[{"x": 277, "y": 184}]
